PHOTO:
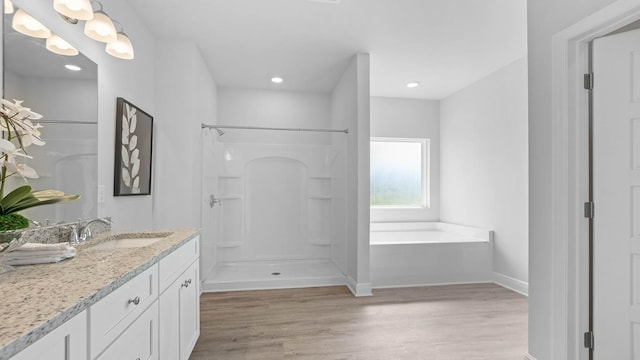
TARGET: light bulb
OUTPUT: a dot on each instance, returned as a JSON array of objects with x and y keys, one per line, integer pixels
[
  {"x": 26, "y": 24},
  {"x": 75, "y": 9},
  {"x": 121, "y": 48},
  {"x": 59, "y": 46},
  {"x": 8, "y": 7},
  {"x": 100, "y": 28}
]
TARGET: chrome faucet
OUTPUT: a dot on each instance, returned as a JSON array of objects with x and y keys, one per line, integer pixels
[{"x": 84, "y": 232}]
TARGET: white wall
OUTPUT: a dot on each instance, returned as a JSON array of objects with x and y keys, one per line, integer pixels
[
  {"x": 544, "y": 18},
  {"x": 132, "y": 80},
  {"x": 350, "y": 101},
  {"x": 484, "y": 172},
  {"x": 271, "y": 108},
  {"x": 186, "y": 98},
  {"x": 410, "y": 118}
]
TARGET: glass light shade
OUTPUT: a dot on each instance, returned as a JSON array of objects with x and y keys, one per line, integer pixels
[
  {"x": 75, "y": 9},
  {"x": 58, "y": 45},
  {"x": 121, "y": 48},
  {"x": 8, "y": 7},
  {"x": 100, "y": 28},
  {"x": 26, "y": 24}
]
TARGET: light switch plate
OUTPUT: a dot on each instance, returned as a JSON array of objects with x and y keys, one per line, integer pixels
[{"x": 101, "y": 194}]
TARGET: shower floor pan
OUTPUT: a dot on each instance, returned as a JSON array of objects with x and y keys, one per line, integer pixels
[{"x": 282, "y": 274}]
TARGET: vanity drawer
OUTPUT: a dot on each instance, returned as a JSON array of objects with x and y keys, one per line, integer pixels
[
  {"x": 139, "y": 341},
  {"x": 110, "y": 316},
  {"x": 177, "y": 262}
]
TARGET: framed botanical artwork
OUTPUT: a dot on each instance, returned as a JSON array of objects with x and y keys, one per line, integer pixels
[{"x": 134, "y": 140}]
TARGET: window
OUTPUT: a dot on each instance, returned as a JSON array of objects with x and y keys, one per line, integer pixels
[{"x": 399, "y": 173}]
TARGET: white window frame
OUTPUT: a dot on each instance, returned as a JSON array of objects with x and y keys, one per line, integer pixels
[{"x": 426, "y": 171}]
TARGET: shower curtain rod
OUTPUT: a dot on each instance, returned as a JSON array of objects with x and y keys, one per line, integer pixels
[
  {"x": 67, "y": 122},
  {"x": 346, "y": 131}
]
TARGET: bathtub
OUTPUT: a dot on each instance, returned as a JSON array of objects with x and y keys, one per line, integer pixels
[{"x": 429, "y": 253}]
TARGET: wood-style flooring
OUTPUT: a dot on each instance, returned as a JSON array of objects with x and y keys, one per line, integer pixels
[{"x": 456, "y": 322}]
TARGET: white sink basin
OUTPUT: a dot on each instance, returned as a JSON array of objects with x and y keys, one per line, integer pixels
[{"x": 129, "y": 241}]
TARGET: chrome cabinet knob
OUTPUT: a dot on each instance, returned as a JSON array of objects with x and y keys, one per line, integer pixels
[
  {"x": 213, "y": 201},
  {"x": 135, "y": 301}
]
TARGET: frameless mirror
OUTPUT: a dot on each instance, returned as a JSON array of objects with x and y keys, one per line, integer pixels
[{"x": 68, "y": 100}]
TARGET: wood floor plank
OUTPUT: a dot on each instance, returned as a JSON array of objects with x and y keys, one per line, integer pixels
[{"x": 456, "y": 322}]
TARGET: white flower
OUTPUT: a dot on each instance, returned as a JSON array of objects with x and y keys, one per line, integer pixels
[
  {"x": 16, "y": 121},
  {"x": 29, "y": 134},
  {"x": 23, "y": 170},
  {"x": 11, "y": 109},
  {"x": 10, "y": 150}
]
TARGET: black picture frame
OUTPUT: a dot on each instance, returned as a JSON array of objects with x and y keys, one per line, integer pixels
[{"x": 133, "y": 150}]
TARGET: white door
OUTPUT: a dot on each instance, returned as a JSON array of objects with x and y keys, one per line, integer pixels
[{"x": 616, "y": 186}]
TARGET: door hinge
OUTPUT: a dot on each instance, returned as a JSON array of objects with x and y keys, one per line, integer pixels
[
  {"x": 589, "y": 340},
  {"x": 589, "y": 209},
  {"x": 588, "y": 81}
]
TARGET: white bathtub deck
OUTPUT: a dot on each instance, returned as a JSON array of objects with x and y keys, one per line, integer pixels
[
  {"x": 429, "y": 253},
  {"x": 420, "y": 237},
  {"x": 258, "y": 275}
]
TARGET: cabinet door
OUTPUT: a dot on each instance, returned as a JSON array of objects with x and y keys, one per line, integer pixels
[
  {"x": 139, "y": 341},
  {"x": 111, "y": 315},
  {"x": 180, "y": 315},
  {"x": 189, "y": 310},
  {"x": 67, "y": 342},
  {"x": 170, "y": 322}
]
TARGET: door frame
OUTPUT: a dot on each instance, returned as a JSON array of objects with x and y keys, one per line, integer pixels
[{"x": 570, "y": 176}]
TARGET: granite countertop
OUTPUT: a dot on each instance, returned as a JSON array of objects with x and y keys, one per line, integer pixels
[{"x": 38, "y": 298}]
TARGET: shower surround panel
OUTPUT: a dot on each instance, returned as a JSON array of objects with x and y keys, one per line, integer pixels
[{"x": 278, "y": 215}]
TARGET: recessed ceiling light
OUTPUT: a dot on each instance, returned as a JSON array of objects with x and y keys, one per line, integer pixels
[
  {"x": 73, "y": 67},
  {"x": 413, "y": 84},
  {"x": 276, "y": 80}
]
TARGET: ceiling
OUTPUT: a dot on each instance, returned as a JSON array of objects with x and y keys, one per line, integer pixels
[{"x": 444, "y": 44}]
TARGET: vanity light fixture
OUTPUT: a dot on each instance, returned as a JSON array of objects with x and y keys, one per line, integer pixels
[
  {"x": 413, "y": 84},
  {"x": 101, "y": 27},
  {"x": 73, "y": 67},
  {"x": 74, "y": 9},
  {"x": 277, "y": 80},
  {"x": 27, "y": 25},
  {"x": 59, "y": 46},
  {"x": 8, "y": 7},
  {"x": 121, "y": 48}
]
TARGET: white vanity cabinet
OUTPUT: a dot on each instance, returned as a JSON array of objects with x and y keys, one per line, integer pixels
[
  {"x": 180, "y": 302},
  {"x": 66, "y": 342},
  {"x": 154, "y": 315}
]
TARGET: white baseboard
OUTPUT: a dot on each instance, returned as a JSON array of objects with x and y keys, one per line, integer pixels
[
  {"x": 529, "y": 357},
  {"x": 358, "y": 290},
  {"x": 510, "y": 283}
]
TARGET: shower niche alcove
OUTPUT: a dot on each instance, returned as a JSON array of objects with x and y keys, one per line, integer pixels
[{"x": 276, "y": 211}]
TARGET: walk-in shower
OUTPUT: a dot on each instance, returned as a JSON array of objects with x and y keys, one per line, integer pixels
[{"x": 279, "y": 215}]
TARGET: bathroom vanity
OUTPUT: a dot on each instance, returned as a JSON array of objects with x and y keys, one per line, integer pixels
[{"x": 119, "y": 301}]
